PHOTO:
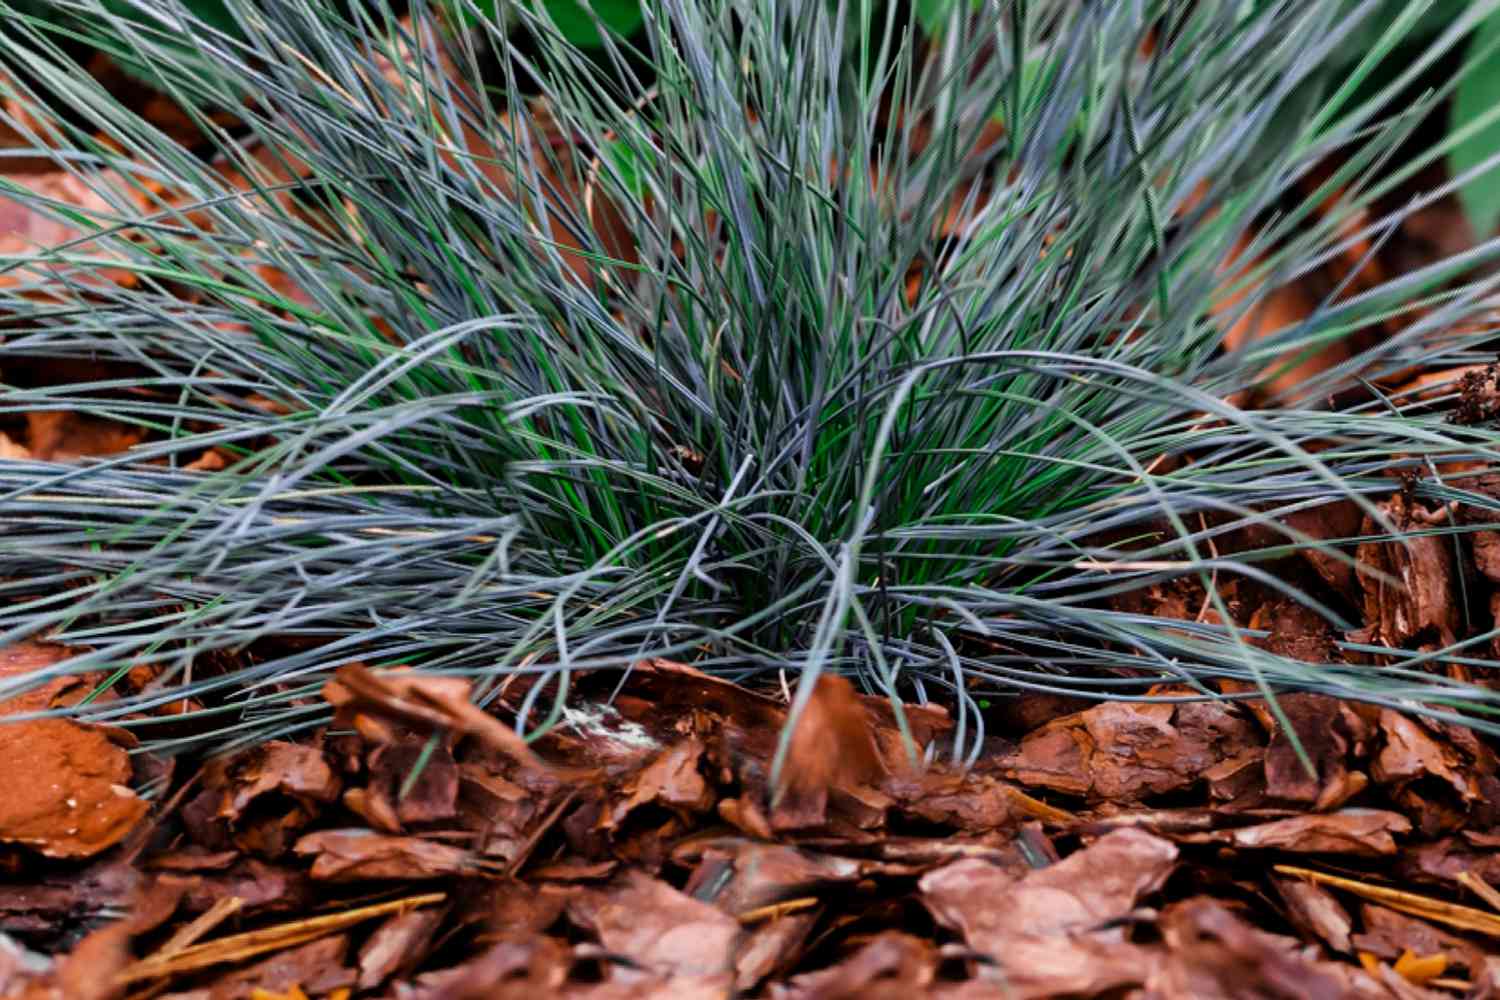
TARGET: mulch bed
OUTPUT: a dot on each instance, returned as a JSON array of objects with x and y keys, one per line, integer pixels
[{"x": 418, "y": 849}]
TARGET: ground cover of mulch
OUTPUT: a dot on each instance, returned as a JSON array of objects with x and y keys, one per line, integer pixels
[
  {"x": 1122, "y": 850},
  {"x": 417, "y": 848}
]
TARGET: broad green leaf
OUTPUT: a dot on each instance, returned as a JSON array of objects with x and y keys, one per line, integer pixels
[
  {"x": 573, "y": 19},
  {"x": 626, "y": 160},
  {"x": 576, "y": 23},
  {"x": 212, "y": 12},
  {"x": 933, "y": 14},
  {"x": 1478, "y": 95}
]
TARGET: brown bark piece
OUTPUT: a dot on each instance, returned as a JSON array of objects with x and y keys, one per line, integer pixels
[
  {"x": 260, "y": 800},
  {"x": 1410, "y": 753},
  {"x": 353, "y": 855},
  {"x": 1214, "y": 955},
  {"x": 514, "y": 968},
  {"x": 1125, "y": 752},
  {"x": 1425, "y": 606},
  {"x": 1388, "y": 934},
  {"x": 661, "y": 929},
  {"x": 75, "y": 801},
  {"x": 1331, "y": 522},
  {"x": 1054, "y": 931},
  {"x": 1315, "y": 910},
  {"x": 316, "y": 968},
  {"x": 23, "y": 658},
  {"x": 1365, "y": 833},
  {"x": 1324, "y": 737},
  {"x": 434, "y": 794},
  {"x": 832, "y": 749},
  {"x": 397, "y": 945},
  {"x": 892, "y": 964},
  {"x": 671, "y": 779},
  {"x": 371, "y": 703}
]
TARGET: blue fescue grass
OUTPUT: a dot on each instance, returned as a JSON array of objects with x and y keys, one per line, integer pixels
[{"x": 685, "y": 404}]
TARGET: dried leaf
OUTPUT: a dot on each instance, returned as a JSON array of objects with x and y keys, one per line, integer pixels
[
  {"x": 64, "y": 436},
  {"x": 1275, "y": 309},
  {"x": 1420, "y": 970},
  {"x": 1389, "y": 935},
  {"x": 24, "y": 229}
]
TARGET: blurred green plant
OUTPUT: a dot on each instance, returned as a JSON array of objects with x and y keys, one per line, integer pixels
[
  {"x": 1472, "y": 143},
  {"x": 578, "y": 21},
  {"x": 1474, "y": 129}
]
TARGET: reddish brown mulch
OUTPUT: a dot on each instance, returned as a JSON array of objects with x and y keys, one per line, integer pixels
[{"x": 1171, "y": 851}]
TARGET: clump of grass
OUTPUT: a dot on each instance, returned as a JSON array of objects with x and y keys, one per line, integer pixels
[{"x": 786, "y": 359}]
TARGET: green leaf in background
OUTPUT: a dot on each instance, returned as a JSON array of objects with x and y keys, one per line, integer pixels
[
  {"x": 576, "y": 23},
  {"x": 578, "y": 26},
  {"x": 212, "y": 12},
  {"x": 626, "y": 160},
  {"x": 1478, "y": 94},
  {"x": 933, "y": 14}
]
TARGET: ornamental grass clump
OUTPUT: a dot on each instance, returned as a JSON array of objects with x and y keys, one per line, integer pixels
[{"x": 781, "y": 338}]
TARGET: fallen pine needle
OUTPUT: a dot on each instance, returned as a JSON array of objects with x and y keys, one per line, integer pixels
[
  {"x": 1037, "y": 809},
  {"x": 205, "y": 922},
  {"x": 775, "y": 911},
  {"x": 242, "y": 946},
  {"x": 1463, "y": 917},
  {"x": 1450, "y": 983},
  {"x": 1480, "y": 888}
]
